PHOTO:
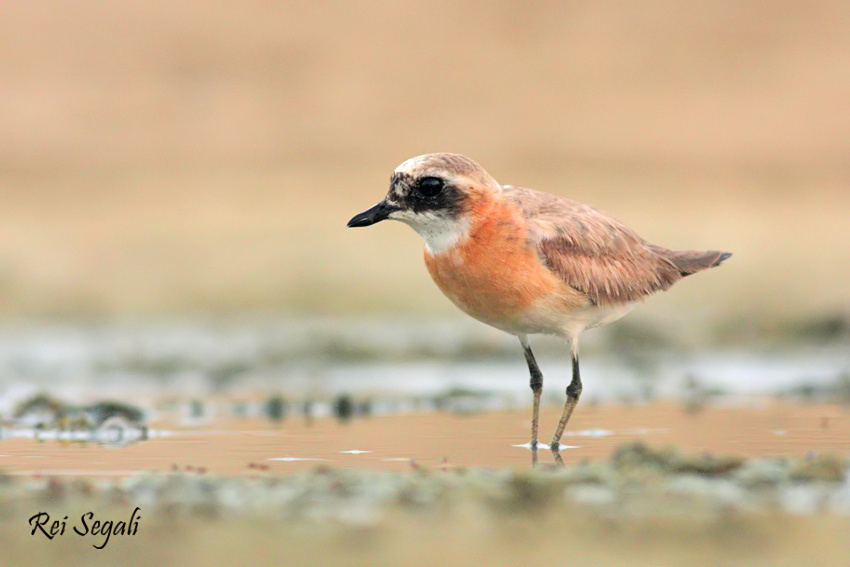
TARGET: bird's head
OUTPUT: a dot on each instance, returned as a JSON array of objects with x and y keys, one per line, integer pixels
[{"x": 433, "y": 193}]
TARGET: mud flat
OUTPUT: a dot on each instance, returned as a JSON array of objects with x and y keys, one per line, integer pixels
[
  {"x": 639, "y": 506},
  {"x": 760, "y": 482}
]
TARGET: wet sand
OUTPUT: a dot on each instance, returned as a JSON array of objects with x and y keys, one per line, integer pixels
[
  {"x": 473, "y": 500},
  {"x": 761, "y": 428}
]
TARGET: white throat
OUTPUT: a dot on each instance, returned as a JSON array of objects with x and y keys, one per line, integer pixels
[{"x": 439, "y": 233}]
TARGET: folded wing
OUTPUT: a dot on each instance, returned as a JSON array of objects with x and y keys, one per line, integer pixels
[{"x": 598, "y": 255}]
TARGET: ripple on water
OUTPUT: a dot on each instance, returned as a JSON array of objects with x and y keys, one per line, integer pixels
[
  {"x": 546, "y": 446},
  {"x": 108, "y": 436}
]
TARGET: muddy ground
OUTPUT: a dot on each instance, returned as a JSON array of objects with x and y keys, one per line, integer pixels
[{"x": 763, "y": 483}]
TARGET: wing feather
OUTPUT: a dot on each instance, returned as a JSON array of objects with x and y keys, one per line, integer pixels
[{"x": 592, "y": 252}]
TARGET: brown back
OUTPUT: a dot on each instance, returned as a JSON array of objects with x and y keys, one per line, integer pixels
[{"x": 598, "y": 255}]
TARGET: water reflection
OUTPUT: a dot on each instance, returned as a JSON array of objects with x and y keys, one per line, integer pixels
[{"x": 110, "y": 434}]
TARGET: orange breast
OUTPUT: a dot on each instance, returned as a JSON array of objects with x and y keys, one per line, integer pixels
[{"x": 493, "y": 274}]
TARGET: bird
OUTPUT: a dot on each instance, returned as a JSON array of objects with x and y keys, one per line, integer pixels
[{"x": 527, "y": 262}]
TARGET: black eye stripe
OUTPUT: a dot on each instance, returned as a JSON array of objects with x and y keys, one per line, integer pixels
[{"x": 406, "y": 190}]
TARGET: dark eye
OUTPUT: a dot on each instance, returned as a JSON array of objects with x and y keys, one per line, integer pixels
[{"x": 429, "y": 186}]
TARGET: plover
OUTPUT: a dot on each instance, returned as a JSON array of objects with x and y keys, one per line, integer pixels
[{"x": 527, "y": 262}]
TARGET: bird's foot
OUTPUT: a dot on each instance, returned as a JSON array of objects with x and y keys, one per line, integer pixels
[{"x": 558, "y": 460}]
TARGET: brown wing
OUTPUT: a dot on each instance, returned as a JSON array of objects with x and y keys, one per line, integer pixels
[{"x": 593, "y": 252}]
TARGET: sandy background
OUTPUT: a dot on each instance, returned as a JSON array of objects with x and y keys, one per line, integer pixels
[{"x": 164, "y": 157}]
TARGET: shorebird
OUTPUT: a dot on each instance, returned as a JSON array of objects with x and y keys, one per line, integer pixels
[{"x": 527, "y": 262}]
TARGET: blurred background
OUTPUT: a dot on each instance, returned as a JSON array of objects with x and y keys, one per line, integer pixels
[
  {"x": 175, "y": 181},
  {"x": 184, "y": 161},
  {"x": 184, "y": 157}
]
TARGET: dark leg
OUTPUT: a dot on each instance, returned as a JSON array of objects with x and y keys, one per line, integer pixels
[
  {"x": 573, "y": 394},
  {"x": 536, "y": 389}
]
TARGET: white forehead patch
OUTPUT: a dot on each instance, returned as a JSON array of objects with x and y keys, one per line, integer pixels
[{"x": 409, "y": 165}]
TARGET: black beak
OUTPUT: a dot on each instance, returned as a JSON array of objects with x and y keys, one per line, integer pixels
[{"x": 376, "y": 214}]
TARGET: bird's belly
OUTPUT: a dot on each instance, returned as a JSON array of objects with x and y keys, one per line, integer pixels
[{"x": 594, "y": 316}]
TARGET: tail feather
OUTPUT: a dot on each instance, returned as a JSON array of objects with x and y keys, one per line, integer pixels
[{"x": 690, "y": 261}]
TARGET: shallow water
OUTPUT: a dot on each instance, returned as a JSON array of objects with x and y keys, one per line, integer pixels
[
  {"x": 439, "y": 394},
  {"x": 439, "y": 440}
]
